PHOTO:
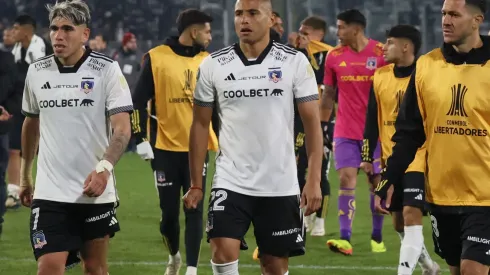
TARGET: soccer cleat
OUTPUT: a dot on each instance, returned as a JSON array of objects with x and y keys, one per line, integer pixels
[
  {"x": 255, "y": 256},
  {"x": 435, "y": 270},
  {"x": 309, "y": 222},
  {"x": 340, "y": 246},
  {"x": 173, "y": 266},
  {"x": 318, "y": 228},
  {"x": 378, "y": 247}
]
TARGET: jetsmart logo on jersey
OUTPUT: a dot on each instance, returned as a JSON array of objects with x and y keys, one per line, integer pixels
[
  {"x": 65, "y": 103},
  {"x": 252, "y": 93}
]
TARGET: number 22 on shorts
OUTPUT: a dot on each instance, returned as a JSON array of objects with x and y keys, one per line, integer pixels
[{"x": 216, "y": 198}]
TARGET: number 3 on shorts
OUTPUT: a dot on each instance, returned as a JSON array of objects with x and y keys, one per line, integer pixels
[
  {"x": 220, "y": 196},
  {"x": 35, "y": 212}
]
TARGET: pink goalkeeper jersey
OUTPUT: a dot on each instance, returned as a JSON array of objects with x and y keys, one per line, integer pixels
[{"x": 352, "y": 73}]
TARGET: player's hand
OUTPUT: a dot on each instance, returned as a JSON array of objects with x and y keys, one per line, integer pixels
[
  {"x": 293, "y": 39},
  {"x": 144, "y": 150},
  {"x": 303, "y": 41},
  {"x": 311, "y": 197},
  {"x": 26, "y": 194},
  {"x": 96, "y": 183},
  {"x": 367, "y": 167},
  {"x": 4, "y": 115},
  {"x": 378, "y": 202},
  {"x": 193, "y": 197}
]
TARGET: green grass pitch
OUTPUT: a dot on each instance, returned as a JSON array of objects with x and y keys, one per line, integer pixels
[{"x": 138, "y": 249}]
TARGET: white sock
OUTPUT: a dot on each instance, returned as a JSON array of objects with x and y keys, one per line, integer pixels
[
  {"x": 287, "y": 273},
  {"x": 410, "y": 250},
  {"x": 425, "y": 261},
  {"x": 225, "y": 269},
  {"x": 13, "y": 188},
  {"x": 191, "y": 270},
  {"x": 401, "y": 235},
  {"x": 172, "y": 259}
]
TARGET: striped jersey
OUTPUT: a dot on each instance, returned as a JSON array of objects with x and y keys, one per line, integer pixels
[
  {"x": 254, "y": 101},
  {"x": 74, "y": 105}
]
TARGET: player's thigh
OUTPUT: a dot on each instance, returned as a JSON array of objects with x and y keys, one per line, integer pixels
[
  {"x": 475, "y": 229},
  {"x": 168, "y": 169},
  {"x": 54, "y": 229},
  {"x": 278, "y": 226},
  {"x": 347, "y": 153},
  {"x": 446, "y": 234},
  {"x": 414, "y": 196},
  {"x": 229, "y": 214}
]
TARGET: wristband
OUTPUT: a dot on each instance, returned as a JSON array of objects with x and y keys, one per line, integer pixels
[
  {"x": 103, "y": 165},
  {"x": 195, "y": 187}
]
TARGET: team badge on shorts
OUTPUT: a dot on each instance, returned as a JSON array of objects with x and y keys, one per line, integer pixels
[
  {"x": 160, "y": 176},
  {"x": 87, "y": 85},
  {"x": 371, "y": 63},
  {"x": 39, "y": 240},
  {"x": 275, "y": 74}
]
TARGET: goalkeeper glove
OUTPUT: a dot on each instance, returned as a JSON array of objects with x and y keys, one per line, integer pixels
[
  {"x": 383, "y": 186},
  {"x": 144, "y": 150},
  {"x": 326, "y": 140}
]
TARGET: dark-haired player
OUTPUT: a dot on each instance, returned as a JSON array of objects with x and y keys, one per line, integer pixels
[
  {"x": 350, "y": 68},
  {"x": 406, "y": 206}
]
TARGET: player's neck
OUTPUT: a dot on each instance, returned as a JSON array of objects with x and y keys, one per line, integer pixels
[
  {"x": 252, "y": 51},
  {"x": 472, "y": 42},
  {"x": 360, "y": 43},
  {"x": 72, "y": 59},
  {"x": 26, "y": 41},
  {"x": 186, "y": 41},
  {"x": 405, "y": 62}
]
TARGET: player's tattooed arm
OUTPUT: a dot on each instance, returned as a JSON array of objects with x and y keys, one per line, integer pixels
[
  {"x": 327, "y": 103},
  {"x": 120, "y": 138}
]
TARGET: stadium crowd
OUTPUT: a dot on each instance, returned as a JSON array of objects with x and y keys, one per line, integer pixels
[{"x": 375, "y": 106}]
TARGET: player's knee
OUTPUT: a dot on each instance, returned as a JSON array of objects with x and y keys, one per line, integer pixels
[
  {"x": 224, "y": 250},
  {"x": 347, "y": 179},
  {"x": 169, "y": 221},
  {"x": 469, "y": 267},
  {"x": 50, "y": 265},
  {"x": 271, "y": 265},
  {"x": 412, "y": 216}
]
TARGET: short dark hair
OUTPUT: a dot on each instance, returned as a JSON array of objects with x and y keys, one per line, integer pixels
[
  {"x": 480, "y": 4},
  {"x": 316, "y": 22},
  {"x": 190, "y": 17},
  {"x": 25, "y": 20},
  {"x": 353, "y": 16},
  {"x": 408, "y": 32},
  {"x": 276, "y": 14}
]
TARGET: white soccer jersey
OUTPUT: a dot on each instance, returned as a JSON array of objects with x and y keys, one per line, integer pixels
[
  {"x": 74, "y": 105},
  {"x": 254, "y": 100}
]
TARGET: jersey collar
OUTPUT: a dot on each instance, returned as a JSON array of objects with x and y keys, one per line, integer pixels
[
  {"x": 74, "y": 69},
  {"x": 475, "y": 56},
  {"x": 259, "y": 59},
  {"x": 179, "y": 49},
  {"x": 402, "y": 72}
]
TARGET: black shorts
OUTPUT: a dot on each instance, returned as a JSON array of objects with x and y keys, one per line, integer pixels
[
  {"x": 278, "y": 221},
  {"x": 410, "y": 193},
  {"x": 464, "y": 236},
  {"x": 16, "y": 132},
  {"x": 60, "y": 227}
]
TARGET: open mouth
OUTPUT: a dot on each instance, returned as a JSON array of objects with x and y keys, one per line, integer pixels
[{"x": 245, "y": 30}]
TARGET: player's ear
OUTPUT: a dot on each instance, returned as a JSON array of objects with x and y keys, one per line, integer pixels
[
  {"x": 194, "y": 31},
  {"x": 86, "y": 35},
  {"x": 478, "y": 20}
]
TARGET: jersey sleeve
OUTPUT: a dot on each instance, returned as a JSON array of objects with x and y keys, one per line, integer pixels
[
  {"x": 329, "y": 77},
  {"x": 409, "y": 135},
  {"x": 30, "y": 106},
  {"x": 118, "y": 98},
  {"x": 371, "y": 129},
  {"x": 304, "y": 82},
  {"x": 204, "y": 93}
]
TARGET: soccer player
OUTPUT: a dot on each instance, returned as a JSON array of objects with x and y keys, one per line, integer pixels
[
  {"x": 168, "y": 79},
  {"x": 350, "y": 67},
  {"x": 389, "y": 84},
  {"x": 310, "y": 41},
  {"x": 28, "y": 48},
  {"x": 76, "y": 104},
  {"x": 445, "y": 106},
  {"x": 252, "y": 85}
]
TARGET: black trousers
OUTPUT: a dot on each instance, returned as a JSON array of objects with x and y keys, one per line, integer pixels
[
  {"x": 4, "y": 161},
  {"x": 172, "y": 179}
]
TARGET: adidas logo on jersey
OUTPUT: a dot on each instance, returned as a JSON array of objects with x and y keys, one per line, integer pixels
[
  {"x": 230, "y": 77},
  {"x": 46, "y": 86},
  {"x": 299, "y": 238},
  {"x": 419, "y": 197},
  {"x": 405, "y": 264},
  {"x": 113, "y": 221}
]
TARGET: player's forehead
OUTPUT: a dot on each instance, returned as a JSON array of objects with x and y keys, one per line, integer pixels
[
  {"x": 249, "y": 5},
  {"x": 305, "y": 29},
  {"x": 62, "y": 22},
  {"x": 453, "y": 6}
]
